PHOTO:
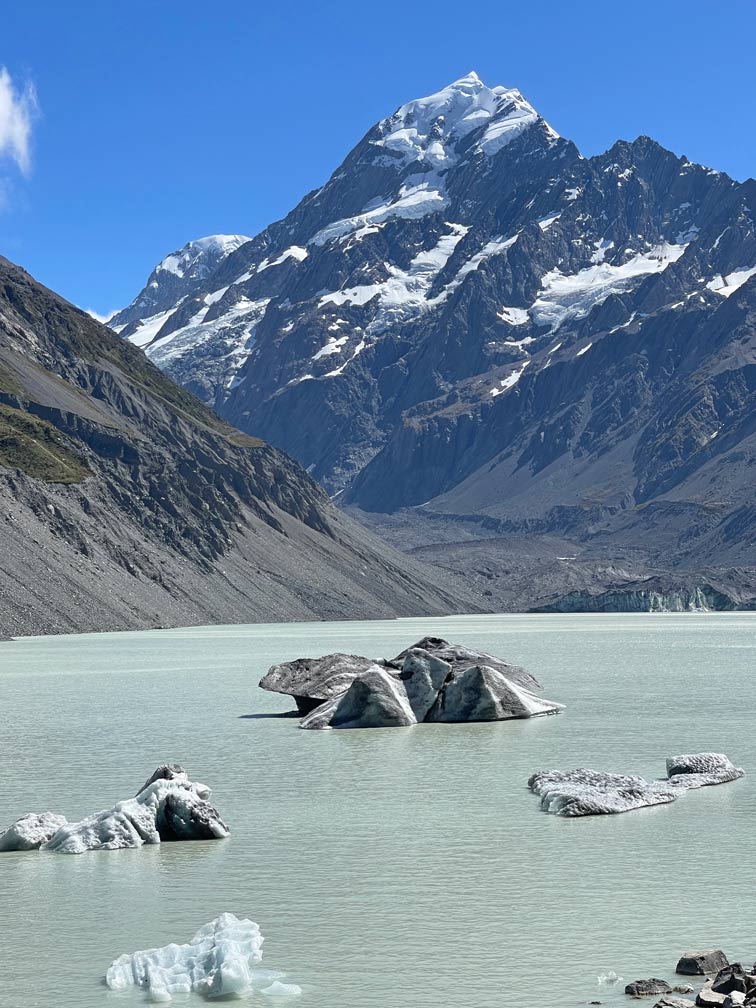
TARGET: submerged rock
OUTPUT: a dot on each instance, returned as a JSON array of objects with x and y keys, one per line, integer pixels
[
  {"x": 432, "y": 681},
  {"x": 671, "y": 1001},
  {"x": 219, "y": 962},
  {"x": 591, "y": 792},
  {"x": 31, "y": 831},
  {"x": 168, "y": 807},
  {"x": 644, "y": 988},
  {"x": 701, "y": 963}
]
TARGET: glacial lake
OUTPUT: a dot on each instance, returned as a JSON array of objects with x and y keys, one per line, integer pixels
[{"x": 400, "y": 868}]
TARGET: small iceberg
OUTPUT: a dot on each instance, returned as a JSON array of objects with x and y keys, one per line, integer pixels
[
  {"x": 593, "y": 792},
  {"x": 168, "y": 806},
  {"x": 219, "y": 962}
]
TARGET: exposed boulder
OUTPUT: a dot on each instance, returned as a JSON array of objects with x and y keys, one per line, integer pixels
[
  {"x": 708, "y": 998},
  {"x": 644, "y": 988},
  {"x": 375, "y": 700},
  {"x": 702, "y": 963},
  {"x": 30, "y": 831},
  {"x": 733, "y": 978},
  {"x": 310, "y": 681},
  {"x": 168, "y": 807},
  {"x": 671, "y": 1001},
  {"x": 590, "y": 792}
]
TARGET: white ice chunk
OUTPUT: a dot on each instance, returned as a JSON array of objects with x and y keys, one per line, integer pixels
[
  {"x": 168, "y": 807},
  {"x": 218, "y": 962},
  {"x": 278, "y": 989},
  {"x": 31, "y": 831}
]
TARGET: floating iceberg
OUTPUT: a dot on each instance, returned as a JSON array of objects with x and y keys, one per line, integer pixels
[
  {"x": 218, "y": 962},
  {"x": 168, "y": 806},
  {"x": 434, "y": 681},
  {"x": 591, "y": 792},
  {"x": 31, "y": 831}
]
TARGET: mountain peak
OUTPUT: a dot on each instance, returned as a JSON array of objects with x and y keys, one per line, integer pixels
[
  {"x": 426, "y": 129},
  {"x": 208, "y": 250}
]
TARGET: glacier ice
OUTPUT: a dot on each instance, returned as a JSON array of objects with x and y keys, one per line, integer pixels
[
  {"x": 591, "y": 792},
  {"x": 31, "y": 831},
  {"x": 218, "y": 962},
  {"x": 427, "y": 689},
  {"x": 168, "y": 806}
]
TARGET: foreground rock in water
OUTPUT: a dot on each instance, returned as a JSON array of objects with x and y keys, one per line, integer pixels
[
  {"x": 434, "y": 681},
  {"x": 218, "y": 962},
  {"x": 590, "y": 792},
  {"x": 168, "y": 807},
  {"x": 701, "y": 963},
  {"x": 644, "y": 988}
]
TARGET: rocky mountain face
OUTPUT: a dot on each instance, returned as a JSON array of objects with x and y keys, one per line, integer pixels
[
  {"x": 474, "y": 326},
  {"x": 128, "y": 503}
]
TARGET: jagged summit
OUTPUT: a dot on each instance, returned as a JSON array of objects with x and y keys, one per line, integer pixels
[
  {"x": 423, "y": 130},
  {"x": 199, "y": 256},
  {"x": 470, "y": 318}
]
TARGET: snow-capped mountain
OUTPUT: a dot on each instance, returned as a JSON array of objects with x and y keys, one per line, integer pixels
[{"x": 471, "y": 316}]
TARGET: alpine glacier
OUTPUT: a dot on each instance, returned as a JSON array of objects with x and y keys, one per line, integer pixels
[{"x": 472, "y": 320}]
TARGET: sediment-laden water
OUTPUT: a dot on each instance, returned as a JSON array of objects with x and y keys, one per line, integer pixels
[{"x": 403, "y": 868}]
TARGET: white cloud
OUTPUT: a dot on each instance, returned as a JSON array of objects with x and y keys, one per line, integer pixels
[
  {"x": 18, "y": 109},
  {"x": 98, "y": 316}
]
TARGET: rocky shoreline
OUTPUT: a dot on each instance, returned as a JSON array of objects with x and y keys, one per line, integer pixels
[{"x": 725, "y": 984}]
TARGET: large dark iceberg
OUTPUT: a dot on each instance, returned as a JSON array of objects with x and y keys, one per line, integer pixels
[{"x": 431, "y": 682}]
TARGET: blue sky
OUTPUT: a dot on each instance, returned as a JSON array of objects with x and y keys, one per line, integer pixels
[{"x": 151, "y": 123}]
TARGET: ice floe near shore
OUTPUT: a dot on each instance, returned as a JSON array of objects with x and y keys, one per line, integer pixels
[
  {"x": 590, "y": 792},
  {"x": 168, "y": 806},
  {"x": 219, "y": 962}
]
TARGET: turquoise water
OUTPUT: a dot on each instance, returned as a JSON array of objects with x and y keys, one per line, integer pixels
[{"x": 402, "y": 868}]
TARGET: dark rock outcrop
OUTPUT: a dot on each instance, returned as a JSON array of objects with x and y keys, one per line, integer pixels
[
  {"x": 702, "y": 963},
  {"x": 644, "y": 988}
]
